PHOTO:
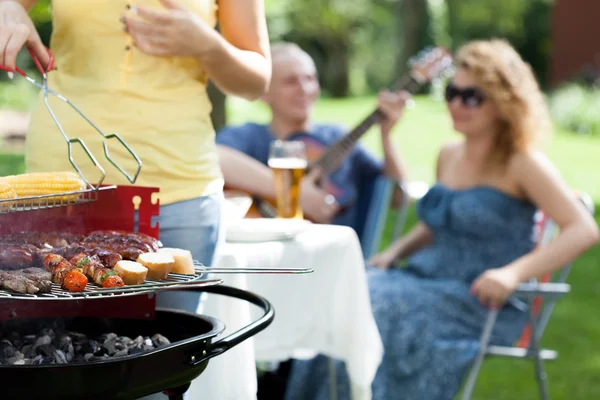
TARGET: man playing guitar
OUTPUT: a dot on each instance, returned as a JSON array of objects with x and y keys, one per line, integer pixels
[{"x": 293, "y": 92}]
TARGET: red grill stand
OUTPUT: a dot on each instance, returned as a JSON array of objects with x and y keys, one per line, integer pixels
[{"x": 114, "y": 209}]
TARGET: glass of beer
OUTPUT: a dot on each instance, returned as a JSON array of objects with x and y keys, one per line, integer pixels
[{"x": 287, "y": 159}]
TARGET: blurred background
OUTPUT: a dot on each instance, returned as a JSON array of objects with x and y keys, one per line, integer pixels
[{"x": 361, "y": 46}]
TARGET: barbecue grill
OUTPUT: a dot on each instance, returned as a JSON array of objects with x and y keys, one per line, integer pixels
[
  {"x": 126, "y": 311},
  {"x": 48, "y": 350}
]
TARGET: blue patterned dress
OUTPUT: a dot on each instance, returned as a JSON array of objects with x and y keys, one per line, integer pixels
[{"x": 429, "y": 323}]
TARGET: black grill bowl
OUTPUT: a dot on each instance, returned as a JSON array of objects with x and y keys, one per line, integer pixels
[{"x": 131, "y": 377}]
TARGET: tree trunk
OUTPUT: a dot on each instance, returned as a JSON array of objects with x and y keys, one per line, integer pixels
[
  {"x": 411, "y": 15},
  {"x": 218, "y": 114},
  {"x": 337, "y": 72},
  {"x": 451, "y": 7}
]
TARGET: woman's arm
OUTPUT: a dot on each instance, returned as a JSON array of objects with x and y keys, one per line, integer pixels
[
  {"x": 27, "y": 4},
  {"x": 241, "y": 64},
  {"x": 578, "y": 231},
  {"x": 238, "y": 60},
  {"x": 419, "y": 237}
]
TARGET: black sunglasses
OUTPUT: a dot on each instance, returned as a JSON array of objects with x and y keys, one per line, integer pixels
[{"x": 471, "y": 97}]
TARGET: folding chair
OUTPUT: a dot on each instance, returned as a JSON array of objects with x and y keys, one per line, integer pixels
[
  {"x": 541, "y": 296},
  {"x": 381, "y": 202}
]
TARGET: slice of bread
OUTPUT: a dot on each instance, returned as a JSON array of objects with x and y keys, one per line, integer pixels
[
  {"x": 132, "y": 273},
  {"x": 184, "y": 263},
  {"x": 159, "y": 265}
]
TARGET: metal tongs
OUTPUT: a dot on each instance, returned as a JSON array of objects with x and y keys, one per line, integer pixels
[{"x": 46, "y": 91}]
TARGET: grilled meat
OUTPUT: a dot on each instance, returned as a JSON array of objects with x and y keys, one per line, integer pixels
[
  {"x": 26, "y": 281},
  {"x": 131, "y": 237},
  {"x": 64, "y": 273},
  {"x": 94, "y": 270},
  {"x": 41, "y": 239},
  {"x": 13, "y": 256},
  {"x": 108, "y": 258}
]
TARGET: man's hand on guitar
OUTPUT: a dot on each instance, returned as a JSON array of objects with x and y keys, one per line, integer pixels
[
  {"x": 391, "y": 105},
  {"x": 317, "y": 204}
]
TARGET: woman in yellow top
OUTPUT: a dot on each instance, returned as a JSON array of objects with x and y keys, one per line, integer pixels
[{"x": 140, "y": 68}]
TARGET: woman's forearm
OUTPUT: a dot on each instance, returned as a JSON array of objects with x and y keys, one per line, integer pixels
[
  {"x": 571, "y": 242},
  {"x": 27, "y": 4},
  {"x": 394, "y": 168},
  {"x": 238, "y": 72},
  {"x": 419, "y": 237}
]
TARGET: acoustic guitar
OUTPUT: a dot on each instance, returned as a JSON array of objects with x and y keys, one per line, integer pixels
[{"x": 425, "y": 66}]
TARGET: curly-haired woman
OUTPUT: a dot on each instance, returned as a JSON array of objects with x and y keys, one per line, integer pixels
[{"x": 474, "y": 243}]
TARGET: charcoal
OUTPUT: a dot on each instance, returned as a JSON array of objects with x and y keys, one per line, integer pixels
[
  {"x": 138, "y": 342},
  {"x": 121, "y": 353},
  {"x": 48, "y": 332},
  {"x": 28, "y": 351},
  {"x": 43, "y": 340},
  {"x": 110, "y": 344},
  {"x": 101, "y": 352},
  {"x": 135, "y": 350},
  {"x": 6, "y": 349},
  {"x": 47, "y": 360},
  {"x": 159, "y": 340},
  {"x": 78, "y": 359},
  {"x": 77, "y": 337},
  {"x": 53, "y": 345},
  {"x": 17, "y": 359},
  {"x": 64, "y": 343},
  {"x": 60, "y": 357},
  {"x": 29, "y": 338},
  {"x": 148, "y": 345},
  {"x": 45, "y": 350},
  {"x": 91, "y": 346},
  {"x": 37, "y": 360}
]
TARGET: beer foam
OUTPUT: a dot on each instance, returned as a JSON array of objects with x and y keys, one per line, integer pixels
[{"x": 288, "y": 163}]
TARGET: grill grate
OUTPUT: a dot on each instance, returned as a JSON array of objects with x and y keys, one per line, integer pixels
[
  {"x": 92, "y": 291},
  {"x": 51, "y": 200}
]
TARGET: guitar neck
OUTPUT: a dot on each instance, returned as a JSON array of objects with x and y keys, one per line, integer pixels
[{"x": 336, "y": 153}]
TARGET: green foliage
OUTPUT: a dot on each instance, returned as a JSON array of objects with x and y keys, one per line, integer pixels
[
  {"x": 525, "y": 24},
  {"x": 17, "y": 94},
  {"x": 576, "y": 108},
  {"x": 11, "y": 164}
]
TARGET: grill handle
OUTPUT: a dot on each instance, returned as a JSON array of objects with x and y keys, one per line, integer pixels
[{"x": 221, "y": 346}]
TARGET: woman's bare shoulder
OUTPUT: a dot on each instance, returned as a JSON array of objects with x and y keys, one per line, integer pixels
[{"x": 447, "y": 152}]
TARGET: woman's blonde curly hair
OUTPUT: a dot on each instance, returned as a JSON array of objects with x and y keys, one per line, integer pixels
[{"x": 510, "y": 84}]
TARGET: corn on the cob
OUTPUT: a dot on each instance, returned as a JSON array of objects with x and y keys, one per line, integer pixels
[
  {"x": 6, "y": 192},
  {"x": 46, "y": 183}
]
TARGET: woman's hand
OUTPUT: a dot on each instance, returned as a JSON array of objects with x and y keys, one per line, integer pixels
[
  {"x": 494, "y": 286},
  {"x": 383, "y": 260},
  {"x": 17, "y": 30},
  {"x": 175, "y": 32}
]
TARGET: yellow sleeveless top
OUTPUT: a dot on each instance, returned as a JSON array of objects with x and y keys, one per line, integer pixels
[{"x": 158, "y": 105}]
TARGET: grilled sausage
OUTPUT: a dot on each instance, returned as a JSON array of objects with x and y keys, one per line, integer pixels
[{"x": 16, "y": 256}]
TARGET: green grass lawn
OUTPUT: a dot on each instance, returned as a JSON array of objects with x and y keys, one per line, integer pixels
[{"x": 574, "y": 329}]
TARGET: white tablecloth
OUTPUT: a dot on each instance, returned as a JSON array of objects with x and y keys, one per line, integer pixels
[{"x": 325, "y": 312}]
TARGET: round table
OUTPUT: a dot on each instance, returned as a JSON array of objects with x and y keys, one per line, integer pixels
[{"x": 327, "y": 311}]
